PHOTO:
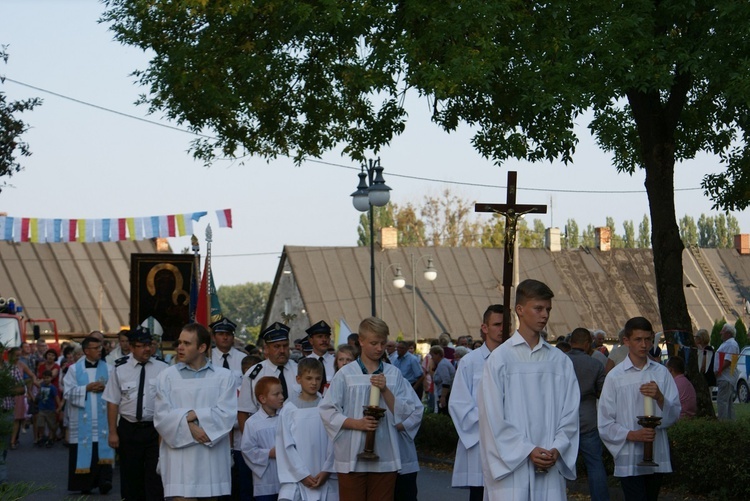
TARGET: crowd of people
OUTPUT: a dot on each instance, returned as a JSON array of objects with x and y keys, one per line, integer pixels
[{"x": 304, "y": 420}]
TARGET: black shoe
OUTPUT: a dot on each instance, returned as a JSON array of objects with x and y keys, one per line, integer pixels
[{"x": 105, "y": 487}]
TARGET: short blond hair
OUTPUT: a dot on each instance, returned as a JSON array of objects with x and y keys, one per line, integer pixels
[{"x": 375, "y": 326}]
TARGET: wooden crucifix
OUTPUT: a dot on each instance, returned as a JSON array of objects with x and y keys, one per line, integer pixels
[{"x": 512, "y": 211}]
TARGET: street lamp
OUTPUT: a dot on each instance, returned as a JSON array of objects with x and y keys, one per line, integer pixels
[
  {"x": 398, "y": 281},
  {"x": 371, "y": 192},
  {"x": 430, "y": 274}
]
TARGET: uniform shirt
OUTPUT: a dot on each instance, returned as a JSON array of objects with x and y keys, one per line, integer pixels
[
  {"x": 247, "y": 402},
  {"x": 122, "y": 387},
  {"x": 328, "y": 360}
]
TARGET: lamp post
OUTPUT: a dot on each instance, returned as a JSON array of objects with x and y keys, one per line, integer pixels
[
  {"x": 398, "y": 281},
  {"x": 371, "y": 192},
  {"x": 430, "y": 274}
]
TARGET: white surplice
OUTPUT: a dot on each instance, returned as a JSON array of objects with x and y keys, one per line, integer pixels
[
  {"x": 529, "y": 398},
  {"x": 258, "y": 438},
  {"x": 621, "y": 402},
  {"x": 348, "y": 394},
  {"x": 462, "y": 407},
  {"x": 189, "y": 468},
  {"x": 303, "y": 449},
  {"x": 409, "y": 457}
]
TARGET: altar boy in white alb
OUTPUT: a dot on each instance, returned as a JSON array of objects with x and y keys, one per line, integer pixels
[
  {"x": 467, "y": 467},
  {"x": 195, "y": 409},
  {"x": 636, "y": 387},
  {"x": 528, "y": 409}
]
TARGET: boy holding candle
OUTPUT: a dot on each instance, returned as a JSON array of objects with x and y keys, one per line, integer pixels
[
  {"x": 638, "y": 386},
  {"x": 367, "y": 381}
]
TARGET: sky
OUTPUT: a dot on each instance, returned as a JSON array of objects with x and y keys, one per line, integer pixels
[{"x": 91, "y": 163}]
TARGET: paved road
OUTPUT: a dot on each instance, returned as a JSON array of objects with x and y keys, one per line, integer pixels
[{"x": 50, "y": 468}]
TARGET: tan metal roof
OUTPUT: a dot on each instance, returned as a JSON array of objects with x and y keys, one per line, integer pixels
[
  {"x": 63, "y": 281},
  {"x": 592, "y": 289}
]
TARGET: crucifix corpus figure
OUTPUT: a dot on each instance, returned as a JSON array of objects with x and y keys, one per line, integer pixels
[{"x": 512, "y": 211}]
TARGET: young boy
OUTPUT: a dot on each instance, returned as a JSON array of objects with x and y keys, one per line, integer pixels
[
  {"x": 48, "y": 401},
  {"x": 304, "y": 454},
  {"x": 528, "y": 408},
  {"x": 342, "y": 413},
  {"x": 259, "y": 437},
  {"x": 627, "y": 389}
]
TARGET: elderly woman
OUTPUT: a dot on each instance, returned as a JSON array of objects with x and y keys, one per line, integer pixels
[{"x": 705, "y": 356}]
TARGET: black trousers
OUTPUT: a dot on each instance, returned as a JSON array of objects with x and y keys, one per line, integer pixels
[
  {"x": 641, "y": 487},
  {"x": 100, "y": 473},
  {"x": 406, "y": 487},
  {"x": 139, "y": 453}
]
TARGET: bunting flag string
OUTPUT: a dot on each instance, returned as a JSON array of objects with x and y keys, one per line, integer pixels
[{"x": 49, "y": 230}]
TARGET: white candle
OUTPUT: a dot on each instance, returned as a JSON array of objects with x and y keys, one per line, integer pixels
[
  {"x": 374, "y": 396},
  {"x": 648, "y": 406}
]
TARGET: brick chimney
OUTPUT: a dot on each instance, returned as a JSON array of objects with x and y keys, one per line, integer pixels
[{"x": 603, "y": 238}]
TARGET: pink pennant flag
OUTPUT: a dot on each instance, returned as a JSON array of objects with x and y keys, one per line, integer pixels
[
  {"x": 225, "y": 218},
  {"x": 122, "y": 233},
  {"x": 25, "y": 229},
  {"x": 171, "y": 226}
]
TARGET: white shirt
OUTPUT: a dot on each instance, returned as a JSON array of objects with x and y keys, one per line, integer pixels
[
  {"x": 247, "y": 402},
  {"x": 122, "y": 387},
  {"x": 728, "y": 347},
  {"x": 529, "y": 398},
  {"x": 328, "y": 359},
  {"x": 620, "y": 404},
  {"x": 462, "y": 407}
]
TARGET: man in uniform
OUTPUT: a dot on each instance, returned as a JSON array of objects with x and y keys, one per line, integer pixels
[
  {"x": 224, "y": 354},
  {"x": 319, "y": 335},
  {"x": 276, "y": 364},
  {"x": 90, "y": 458},
  {"x": 130, "y": 395},
  {"x": 122, "y": 349}
]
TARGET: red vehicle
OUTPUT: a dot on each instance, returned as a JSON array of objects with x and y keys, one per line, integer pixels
[{"x": 15, "y": 329}]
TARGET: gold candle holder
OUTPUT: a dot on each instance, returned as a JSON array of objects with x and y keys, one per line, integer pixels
[
  {"x": 648, "y": 447},
  {"x": 368, "y": 453}
]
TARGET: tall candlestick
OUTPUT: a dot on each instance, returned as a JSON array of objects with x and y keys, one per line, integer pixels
[
  {"x": 374, "y": 396},
  {"x": 648, "y": 406}
]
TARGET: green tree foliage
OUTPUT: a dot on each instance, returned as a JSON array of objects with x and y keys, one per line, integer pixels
[
  {"x": 245, "y": 305},
  {"x": 628, "y": 237},
  {"x": 688, "y": 231},
  {"x": 644, "y": 234},
  {"x": 571, "y": 234},
  {"x": 12, "y": 128},
  {"x": 493, "y": 232},
  {"x": 588, "y": 238},
  {"x": 741, "y": 335},
  {"x": 450, "y": 221},
  {"x": 716, "y": 333},
  {"x": 717, "y": 231}
]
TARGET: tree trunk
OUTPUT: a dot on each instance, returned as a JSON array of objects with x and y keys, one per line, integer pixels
[{"x": 656, "y": 131}]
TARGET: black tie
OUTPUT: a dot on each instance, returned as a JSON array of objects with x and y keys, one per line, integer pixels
[
  {"x": 284, "y": 389},
  {"x": 90, "y": 365},
  {"x": 323, "y": 381},
  {"x": 141, "y": 383},
  {"x": 226, "y": 362}
]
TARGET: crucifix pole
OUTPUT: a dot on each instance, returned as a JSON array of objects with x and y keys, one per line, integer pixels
[{"x": 511, "y": 211}]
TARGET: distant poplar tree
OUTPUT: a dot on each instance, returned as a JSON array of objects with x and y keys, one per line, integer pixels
[{"x": 644, "y": 233}]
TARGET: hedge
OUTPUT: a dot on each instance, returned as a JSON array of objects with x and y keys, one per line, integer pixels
[{"x": 709, "y": 457}]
